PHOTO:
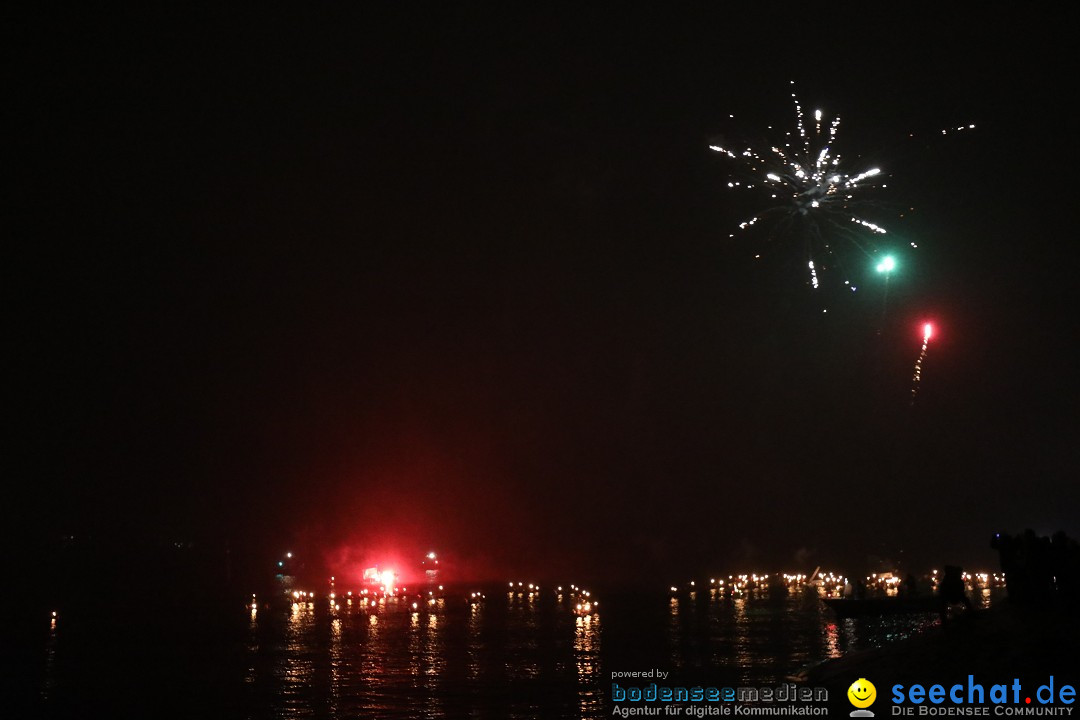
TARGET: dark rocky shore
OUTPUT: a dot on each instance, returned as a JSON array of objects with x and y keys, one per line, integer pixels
[{"x": 995, "y": 646}]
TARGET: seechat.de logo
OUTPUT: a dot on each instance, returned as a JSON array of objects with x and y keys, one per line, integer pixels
[{"x": 862, "y": 694}]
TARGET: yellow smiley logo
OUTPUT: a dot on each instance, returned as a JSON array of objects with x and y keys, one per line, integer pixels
[{"x": 862, "y": 693}]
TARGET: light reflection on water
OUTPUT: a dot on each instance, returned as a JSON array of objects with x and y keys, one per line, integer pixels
[
  {"x": 757, "y": 637},
  {"x": 587, "y": 657},
  {"x": 513, "y": 654},
  {"x": 295, "y": 670},
  {"x": 522, "y": 633},
  {"x": 337, "y": 661},
  {"x": 528, "y": 656},
  {"x": 49, "y": 681},
  {"x": 474, "y": 643},
  {"x": 675, "y": 634},
  {"x": 741, "y": 647}
]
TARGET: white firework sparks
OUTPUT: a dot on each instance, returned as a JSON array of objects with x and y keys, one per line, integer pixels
[{"x": 804, "y": 181}]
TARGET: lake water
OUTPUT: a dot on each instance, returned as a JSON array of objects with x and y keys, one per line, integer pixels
[{"x": 513, "y": 655}]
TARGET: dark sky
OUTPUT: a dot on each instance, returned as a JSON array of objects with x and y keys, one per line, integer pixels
[{"x": 461, "y": 278}]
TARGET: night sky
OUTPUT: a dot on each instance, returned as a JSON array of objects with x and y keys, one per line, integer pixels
[{"x": 460, "y": 278}]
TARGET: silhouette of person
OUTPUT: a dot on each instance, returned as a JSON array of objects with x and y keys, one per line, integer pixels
[{"x": 951, "y": 590}]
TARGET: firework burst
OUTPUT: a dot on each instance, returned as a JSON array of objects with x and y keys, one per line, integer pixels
[{"x": 809, "y": 193}]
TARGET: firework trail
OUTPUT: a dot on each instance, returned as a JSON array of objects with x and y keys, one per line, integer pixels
[{"x": 928, "y": 330}]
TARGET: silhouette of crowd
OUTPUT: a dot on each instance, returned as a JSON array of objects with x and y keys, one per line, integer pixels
[{"x": 1037, "y": 569}]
